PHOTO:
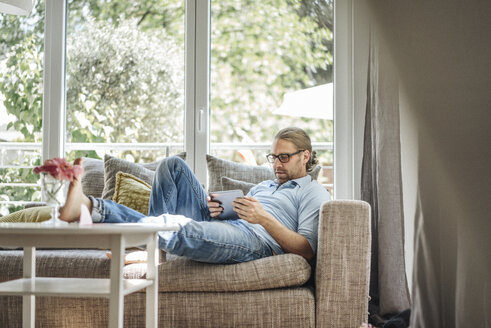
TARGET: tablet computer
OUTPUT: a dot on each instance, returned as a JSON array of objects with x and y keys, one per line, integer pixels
[{"x": 225, "y": 198}]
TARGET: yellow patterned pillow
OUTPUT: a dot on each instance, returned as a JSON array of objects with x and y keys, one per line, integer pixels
[
  {"x": 32, "y": 214},
  {"x": 132, "y": 192}
]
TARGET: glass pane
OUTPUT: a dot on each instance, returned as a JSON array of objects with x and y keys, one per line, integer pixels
[
  {"x": 125, "y": 78},
  {"x": 21, "y": 94},
  {"x": 271, "y": 67}
]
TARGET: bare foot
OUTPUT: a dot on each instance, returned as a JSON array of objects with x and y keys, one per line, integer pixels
[{"x": 75, "y": 198}]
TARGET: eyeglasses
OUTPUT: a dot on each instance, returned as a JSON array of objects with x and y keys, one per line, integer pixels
[{"x": 283, "y": 157}]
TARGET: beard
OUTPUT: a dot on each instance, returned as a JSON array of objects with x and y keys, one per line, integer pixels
[{"x": 284, "y": 175}]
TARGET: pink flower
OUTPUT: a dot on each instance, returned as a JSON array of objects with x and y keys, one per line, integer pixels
[{"x": 60, "y": 169}]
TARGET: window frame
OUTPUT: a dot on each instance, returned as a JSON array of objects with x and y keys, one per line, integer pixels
[
  {"x": 344, "y": 165},
  {"x": 54, "y": 115},
  {"x": 197, "y": 86}
]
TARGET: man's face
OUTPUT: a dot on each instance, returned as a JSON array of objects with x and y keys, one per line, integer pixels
[{"x": 295, "y": 167}]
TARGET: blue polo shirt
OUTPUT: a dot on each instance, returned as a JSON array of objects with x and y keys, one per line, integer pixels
[{"x": 295, "y": 204}]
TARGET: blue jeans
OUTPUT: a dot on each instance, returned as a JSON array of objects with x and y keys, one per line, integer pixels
[{"x": 175, "y": 190}]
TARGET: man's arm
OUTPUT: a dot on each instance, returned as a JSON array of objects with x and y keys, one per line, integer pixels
[{"x": 251, "y": 210}]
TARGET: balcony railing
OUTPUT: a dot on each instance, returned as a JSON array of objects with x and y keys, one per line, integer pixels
[{"x": 6, "y": 148}]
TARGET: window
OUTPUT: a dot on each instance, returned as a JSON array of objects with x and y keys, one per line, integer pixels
[
  {"x": 117, "y": 73},
  {"x": 125, "y": 79},
  {"x": 21, "y": 85},
  {"x": 271, "y": 67}
]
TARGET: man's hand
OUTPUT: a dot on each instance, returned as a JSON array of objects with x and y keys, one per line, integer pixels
[
  {"x": 214, "y": 207},
  {"x": 250, "y": 209}
]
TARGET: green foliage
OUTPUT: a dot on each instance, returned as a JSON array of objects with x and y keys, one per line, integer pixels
[
  {"x": 21, "y": 84},
  {"x": 124, "y": 85},
  {"x": 260, "y": 50},
  {"x": 149, "y": 14},
  {"x": 21, "y": 175},
  {"x": 15, "y": 29}
]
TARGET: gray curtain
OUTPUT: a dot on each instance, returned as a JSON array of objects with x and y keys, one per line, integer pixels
[{"x": 381, "y": 184}]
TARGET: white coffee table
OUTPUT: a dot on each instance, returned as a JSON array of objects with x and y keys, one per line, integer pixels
[{"x": 115, "y": 237}]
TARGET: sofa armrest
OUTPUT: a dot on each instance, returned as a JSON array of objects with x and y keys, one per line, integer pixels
[{"x": 342, "y": 275}]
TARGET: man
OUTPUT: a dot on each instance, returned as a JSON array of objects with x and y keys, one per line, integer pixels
[{"x": 276, "y": 217}]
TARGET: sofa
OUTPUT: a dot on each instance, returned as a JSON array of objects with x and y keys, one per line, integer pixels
[{"x": 279, "y": 291}]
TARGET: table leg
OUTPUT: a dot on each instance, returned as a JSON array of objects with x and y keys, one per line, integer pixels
[
  {"x": 116, "y": 299},
  {"x": 29, "y": 301},
  {"x": 152, "y": 306}
]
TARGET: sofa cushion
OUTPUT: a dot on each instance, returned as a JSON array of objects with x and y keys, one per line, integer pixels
[
  {"x": 218, "y": 168},
  {"x": 176, "y": 274},
  {"x": 31, "y": 214},
  {"x": 284, "y": 270},
  {"x": 132, "y": 192},
  {"x": 70, "y": 263},
  {"x": 93, "y": 177},
  {"x": 113, "y": 165}
]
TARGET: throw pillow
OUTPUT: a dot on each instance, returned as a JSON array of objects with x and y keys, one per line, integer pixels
[
  {"x": 218, "y": 168},
  {"x": 113, "y": 165},
  {"x": 93, "y": 177},
  {"x": 132, "y": 192},
  {"x": 229, "y": 184},
  {"x": 32, "y": 214}
]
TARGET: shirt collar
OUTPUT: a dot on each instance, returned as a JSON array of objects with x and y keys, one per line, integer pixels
[{"x": 302, "y": 182}]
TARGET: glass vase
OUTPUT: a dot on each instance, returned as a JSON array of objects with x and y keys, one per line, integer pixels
[{"x": 53, "y": 193}]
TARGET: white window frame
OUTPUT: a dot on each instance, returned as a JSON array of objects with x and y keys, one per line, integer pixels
[
  {"x": 54, "y": 116},
  {"x": 197, "y": 90},
  {"x": 347, "y": 120},
  {"x": 348, "y": 106}
]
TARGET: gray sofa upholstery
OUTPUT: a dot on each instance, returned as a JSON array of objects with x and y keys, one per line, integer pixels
[{"x": 279, "y": 291}]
